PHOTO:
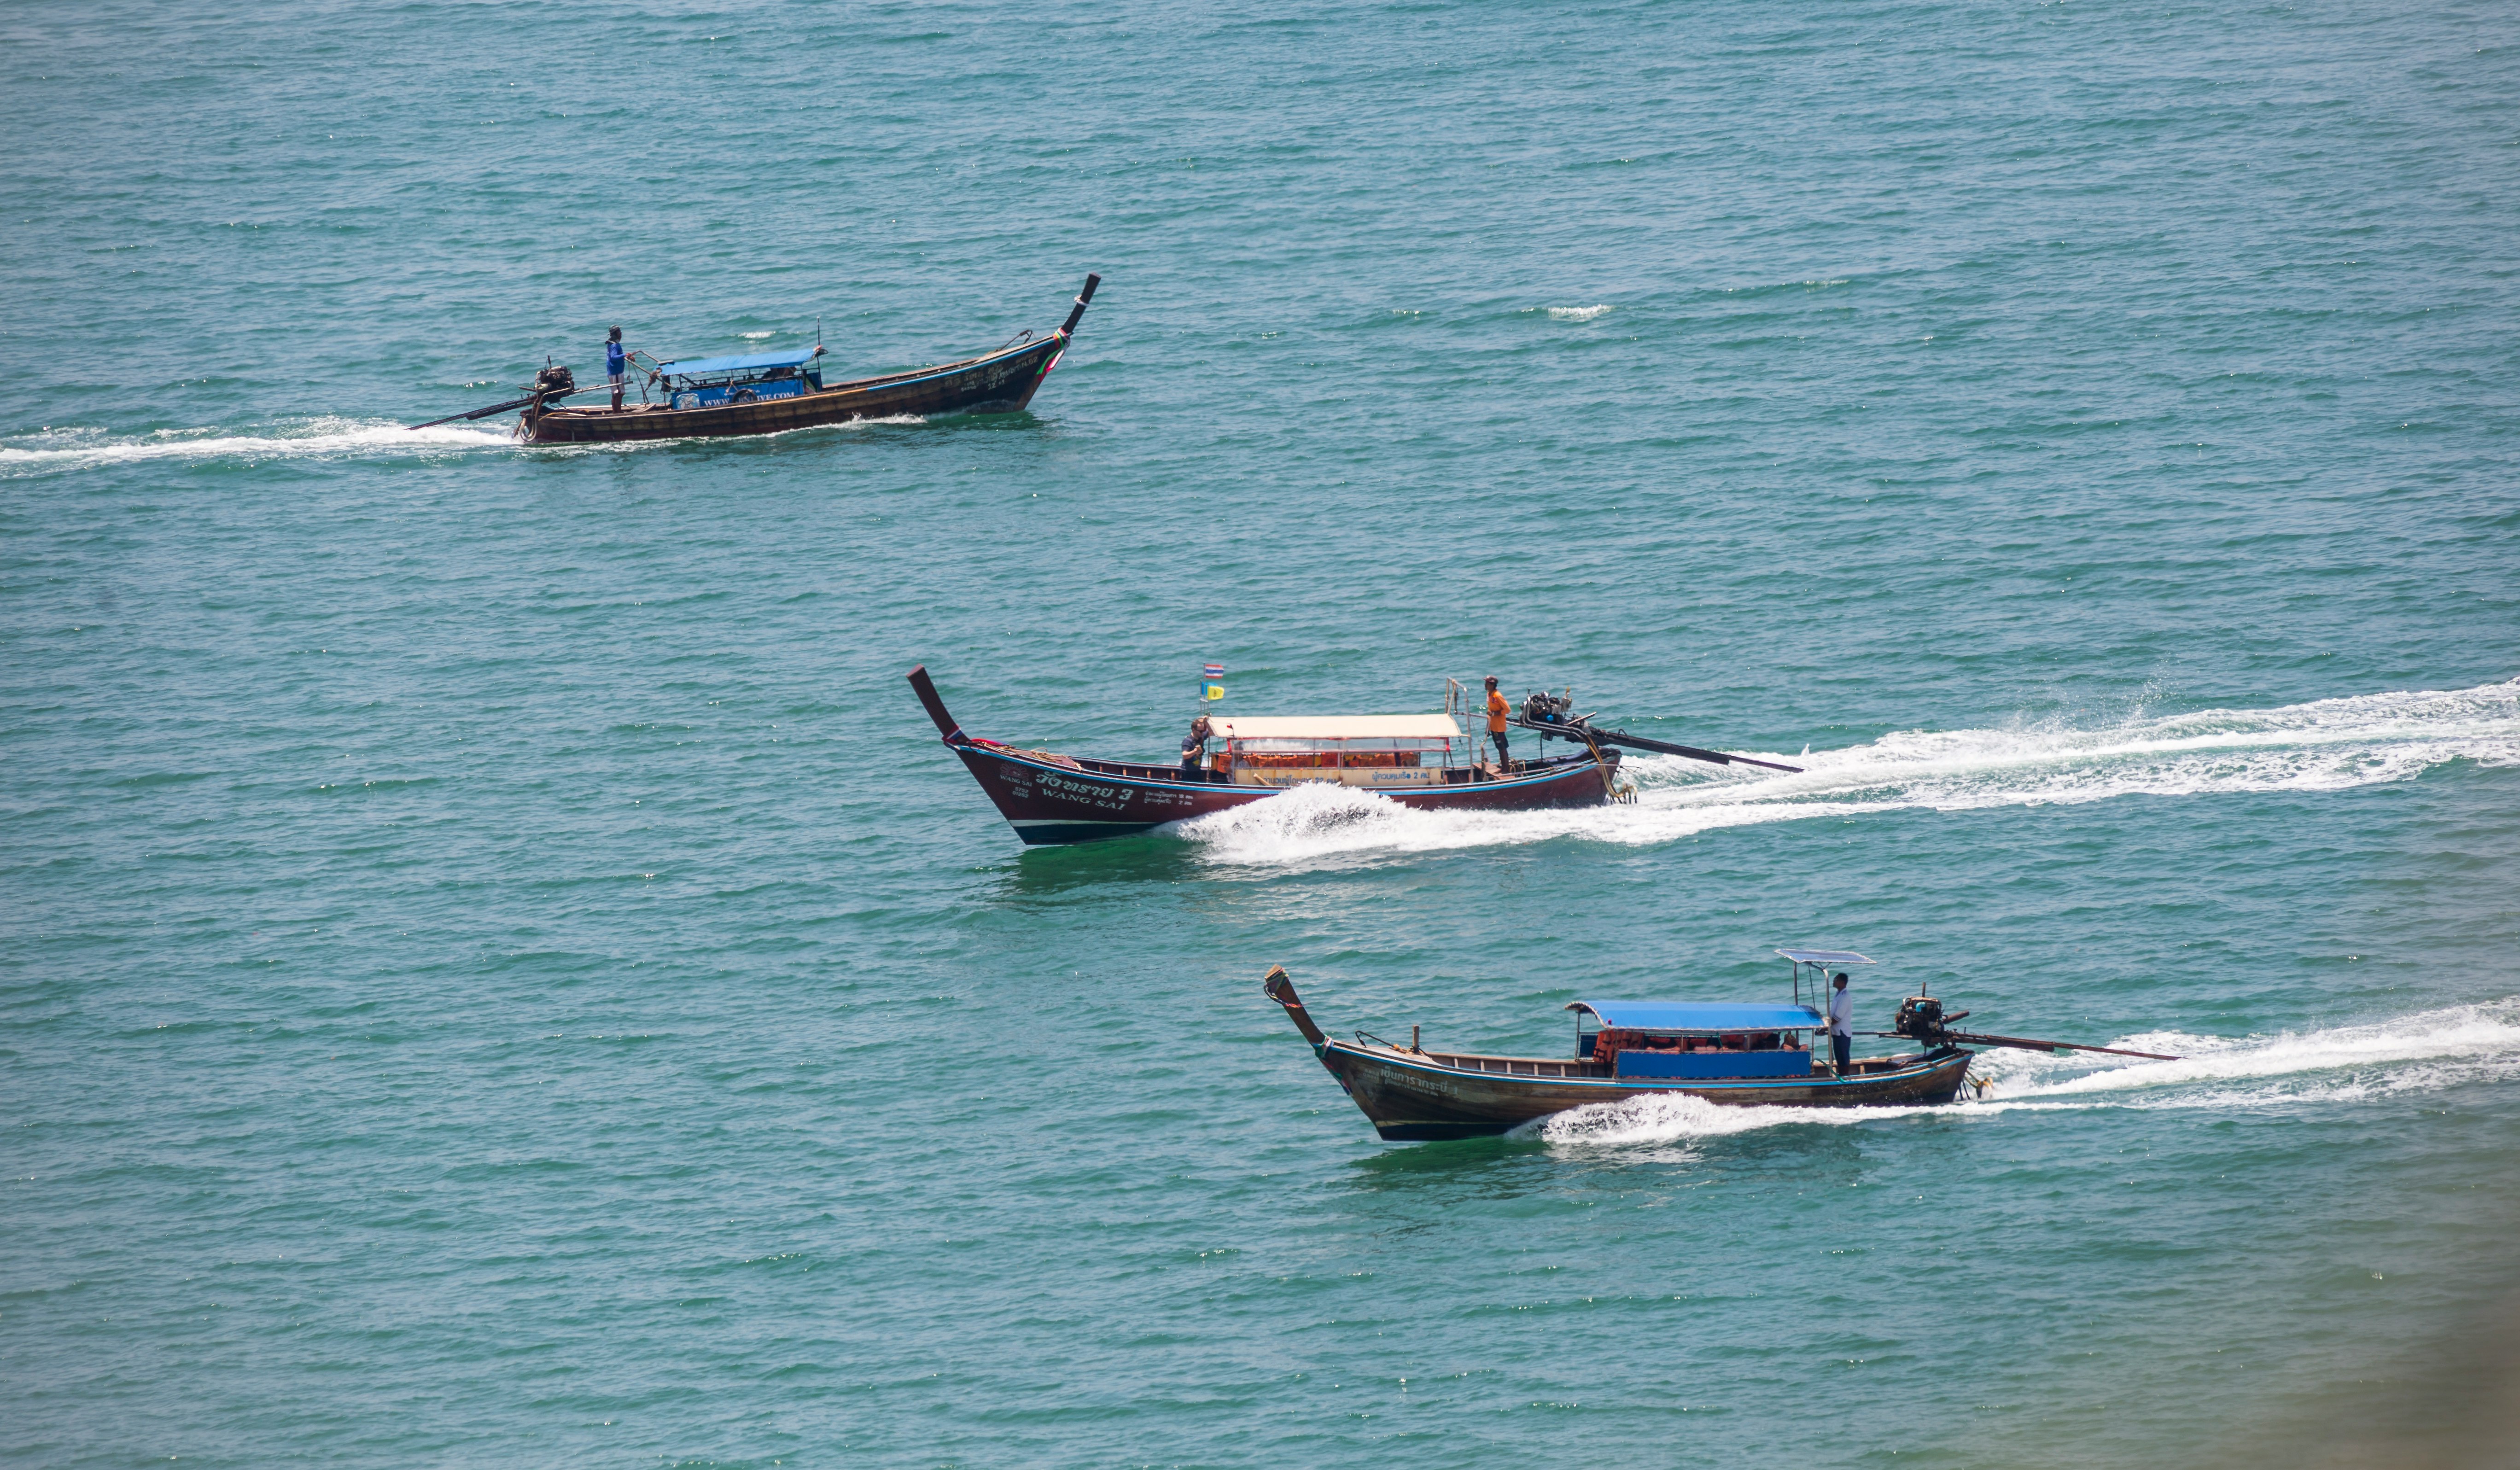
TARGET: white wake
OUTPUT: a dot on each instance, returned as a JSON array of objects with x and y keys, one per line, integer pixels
[
  {"x": 328, "y": 438},
  {"x": 2422, "y": 1052},
  {"x": 313, "y": 438},
  {"x": 2327, "y": 744}
]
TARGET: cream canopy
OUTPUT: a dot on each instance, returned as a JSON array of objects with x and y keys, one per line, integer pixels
[{"x": 1335, "y": 727}]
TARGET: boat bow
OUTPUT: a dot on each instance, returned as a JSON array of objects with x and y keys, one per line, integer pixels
[
  {"x": 1276, "y": 987},
  {"x": 934, "y": 704}
]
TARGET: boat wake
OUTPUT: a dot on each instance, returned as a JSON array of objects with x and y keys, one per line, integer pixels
[
  {"x": 2422, "y": 1052},
  {"x": 59, "y": 449},
  {"x": 2327, "y": 744},
  {"x": 53, "y": 451}
]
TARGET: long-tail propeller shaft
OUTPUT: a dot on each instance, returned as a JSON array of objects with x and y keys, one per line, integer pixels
[
  {"x": 1921, "y": 1019},
  {"x": 501, "y": 408},
  {"x": 1581, "y": 728},
  {"x": 1976, "y": 1038},
  {"x": 551, "y": 386}
]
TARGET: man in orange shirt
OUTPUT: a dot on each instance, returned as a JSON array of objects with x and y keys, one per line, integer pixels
[{"x": 1498, "y": 709}]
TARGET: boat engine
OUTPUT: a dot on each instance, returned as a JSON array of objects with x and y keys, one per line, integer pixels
[
  {"x": 1920, "y": 1018},
  {"x": 554, "y": 379},
  {"x": 1545, "y": 708}
]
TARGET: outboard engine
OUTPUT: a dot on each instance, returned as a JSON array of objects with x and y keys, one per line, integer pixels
[
  {"x": 1919, "y": 1017},
  {"x": 555, "y": 377},
  {"x": 1545, "y": 708}
]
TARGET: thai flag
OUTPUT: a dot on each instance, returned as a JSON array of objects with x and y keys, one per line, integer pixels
[{"x": 1214, "y": 671}]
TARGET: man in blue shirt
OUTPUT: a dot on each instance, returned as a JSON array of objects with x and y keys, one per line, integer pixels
[{"x": 616, "y": 365}]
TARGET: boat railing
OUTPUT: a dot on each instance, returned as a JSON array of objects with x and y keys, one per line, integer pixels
[
  {"x": 1134, "y": 772},
  {"x": 1517, "y": 1067},
  {"x": 1543, "y": 1066},
  {"x": 1493, "y": 1066}
]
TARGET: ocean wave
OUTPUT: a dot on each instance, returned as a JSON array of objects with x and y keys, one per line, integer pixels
[
  {"x": 2328, "y": 745},
  {"x": 2422, "y": 1052},
  {"x": 1575, "y": 313}
]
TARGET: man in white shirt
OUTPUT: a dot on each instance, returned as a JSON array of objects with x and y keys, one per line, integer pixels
[{"x": 1841, "y": 1025}]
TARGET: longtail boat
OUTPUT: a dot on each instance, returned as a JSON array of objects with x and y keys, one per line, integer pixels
[
  {"x": 770, "y": 392},
  {"x": 1738, "y": 1055},
  {"x": 1419, "y": 761}
]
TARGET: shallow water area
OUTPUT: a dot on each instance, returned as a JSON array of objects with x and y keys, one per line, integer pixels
[{"x": 496, "y": 966}]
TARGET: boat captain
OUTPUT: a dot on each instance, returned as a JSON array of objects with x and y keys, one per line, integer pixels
[
  {"x": 616, "y": 365},
  {"x": 1498, "y": 710},
  {"x": 1841, "y": 1025},
  {"x": 1194, "y": 745}
]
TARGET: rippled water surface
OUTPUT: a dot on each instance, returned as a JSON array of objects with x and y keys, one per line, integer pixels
[{"x": 497, "y": 969}]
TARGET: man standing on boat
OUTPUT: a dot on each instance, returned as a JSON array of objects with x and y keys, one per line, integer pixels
[
  {"x": 1194, "y": 745},
  {"x": 1841, "y": 1025},
  {"x": 1498, "y": 710},
  {"x": 616, "y": 365}
]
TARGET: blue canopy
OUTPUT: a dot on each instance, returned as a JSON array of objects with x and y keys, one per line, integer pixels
[
  {"x": 1679, "y": 1015},
  {"x": 1824, "y": 957},
  {"x": 751, "y": 363}
]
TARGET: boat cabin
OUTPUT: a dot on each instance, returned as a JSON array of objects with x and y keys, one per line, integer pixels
[
  {"x": 715, "y": 381},
  {"x": 1676, "y": 1039},
  {"x": 1381, "y": 752}
]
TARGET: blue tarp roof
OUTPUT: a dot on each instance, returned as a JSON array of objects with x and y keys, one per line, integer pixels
[
  {"x": 1825, "y": 956},
  {"x": 750, "y": 363},
  {"x": 1680, "y": 1016}
]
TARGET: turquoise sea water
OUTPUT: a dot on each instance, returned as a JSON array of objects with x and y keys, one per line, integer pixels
[{"x": 496, "y": 969}]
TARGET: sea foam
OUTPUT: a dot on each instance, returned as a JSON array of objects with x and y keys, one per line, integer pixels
[
  {"x": 2424, "y": 1052},
  {"x": 2327, "y": 744},
  {"x": 67, "y": 448},
  {"x": 314, "y": 438}
]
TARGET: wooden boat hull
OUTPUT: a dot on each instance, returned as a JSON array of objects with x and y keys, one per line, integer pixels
[
  {"x": 1053, "y": 799},
  {"x": 1416, "y": 1096},
  {"x": 1000, "y": 382}
]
